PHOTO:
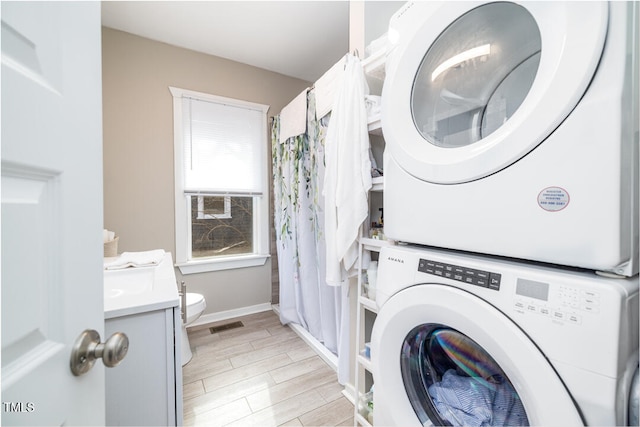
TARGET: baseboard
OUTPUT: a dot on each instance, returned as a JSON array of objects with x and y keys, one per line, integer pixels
[
  {"x": 349, "y": 391},
  {"x": 230, "y": 314},
  {"x": 323, "y": 352},
  {"x": 317, "y": 346}
]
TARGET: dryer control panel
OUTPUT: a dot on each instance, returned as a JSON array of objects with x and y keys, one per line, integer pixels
[{"x": 471, "y": 276}]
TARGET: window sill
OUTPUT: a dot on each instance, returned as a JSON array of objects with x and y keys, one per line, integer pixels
[{"x": 208, "y": 265}]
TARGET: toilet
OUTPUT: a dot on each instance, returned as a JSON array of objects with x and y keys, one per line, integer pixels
[{"x": 195, "y": 306}]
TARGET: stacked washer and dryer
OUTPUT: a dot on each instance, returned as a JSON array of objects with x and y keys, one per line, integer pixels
[{"x": 511, "y": 179}]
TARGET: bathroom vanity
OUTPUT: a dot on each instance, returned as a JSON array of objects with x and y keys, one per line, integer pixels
[{"x": 146, "y": 388}]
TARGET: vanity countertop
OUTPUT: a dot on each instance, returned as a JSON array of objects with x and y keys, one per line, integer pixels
[{"x": 140, "y": 289}]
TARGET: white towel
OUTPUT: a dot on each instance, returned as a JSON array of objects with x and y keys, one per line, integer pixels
[
  {"x": 374, "y": 107},
  {"x": 326, "y": 88},
  {"x": 107, "y": 235},
  {"x": 136, "y": 259},
  {"x": 293, "y": 117},
  {"x": 348, "y": 174}
]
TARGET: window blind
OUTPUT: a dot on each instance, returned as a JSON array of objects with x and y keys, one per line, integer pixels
[{"x": 222, "y": 148}]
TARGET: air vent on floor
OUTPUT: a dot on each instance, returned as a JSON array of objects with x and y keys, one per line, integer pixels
[{"x": 225, "y": 327}]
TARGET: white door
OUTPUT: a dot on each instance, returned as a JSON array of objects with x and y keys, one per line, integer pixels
[
  {"x": 51, "y": 210},
  {"x": 478, "y": 339}
]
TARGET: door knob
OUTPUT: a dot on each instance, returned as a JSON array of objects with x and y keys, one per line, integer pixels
[{"x": 88, "y": 348}]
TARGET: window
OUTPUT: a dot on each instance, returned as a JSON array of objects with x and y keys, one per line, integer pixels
[
  {"x": 214, "y": 207},
  {"x": 221, "y": 191}
]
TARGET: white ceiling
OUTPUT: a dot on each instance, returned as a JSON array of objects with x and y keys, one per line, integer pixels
[{"x": 300, "y": 39}]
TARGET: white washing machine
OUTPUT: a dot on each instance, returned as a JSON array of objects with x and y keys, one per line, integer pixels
[
  {"x": 512, "y": 129},
  {"x": 462, "y": 339}
]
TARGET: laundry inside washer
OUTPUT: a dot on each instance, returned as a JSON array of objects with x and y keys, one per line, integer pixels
[{"x": 451, "y": 380}]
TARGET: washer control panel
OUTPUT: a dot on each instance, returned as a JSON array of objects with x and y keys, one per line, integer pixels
[
  {"x": 471, "y": 276},
  {"x": 561, "y": 303}
]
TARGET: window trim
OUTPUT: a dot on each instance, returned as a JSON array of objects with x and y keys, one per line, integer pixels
[{"x": 183, "y": 236}]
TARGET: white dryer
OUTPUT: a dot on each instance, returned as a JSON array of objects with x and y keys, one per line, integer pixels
[
  {"x": 470, "y": 340},
  {"x": 512, "y": 129}
]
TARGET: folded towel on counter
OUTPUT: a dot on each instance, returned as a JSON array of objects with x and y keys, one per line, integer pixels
[
  {"x": 136, "y": 259},
  {"x": 293, "y": 117}
]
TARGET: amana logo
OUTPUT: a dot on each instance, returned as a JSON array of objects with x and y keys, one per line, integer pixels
[{"x": 400, "y": 260}]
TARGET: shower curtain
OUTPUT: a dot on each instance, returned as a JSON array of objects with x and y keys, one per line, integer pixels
[{"x": 305, "y": 298}]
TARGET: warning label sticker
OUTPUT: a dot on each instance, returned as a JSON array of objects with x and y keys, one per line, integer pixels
[{"x": 553, "y": 199}]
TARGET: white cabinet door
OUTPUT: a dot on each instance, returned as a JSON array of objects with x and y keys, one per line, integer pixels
[
  {"x": 144, "y": 389},
  {"x": 51, "y": 210}
]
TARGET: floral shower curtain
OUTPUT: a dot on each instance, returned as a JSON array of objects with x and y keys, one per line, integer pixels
[{"x": 305, "y": 298}]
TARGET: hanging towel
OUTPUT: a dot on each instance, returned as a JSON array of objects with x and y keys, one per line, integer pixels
[
  {"x": 136, "y": 259},
  {"x": 348, "y": 174},
  {"x": 327, "y": 86},
  {"x": 293, "y": 117}
]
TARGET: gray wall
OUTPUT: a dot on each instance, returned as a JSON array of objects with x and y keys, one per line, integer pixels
[{"x": 138, "y": 148}]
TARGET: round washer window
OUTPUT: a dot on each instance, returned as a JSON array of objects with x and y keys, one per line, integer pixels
[
  {"x": 451, "y": 380},
  {"x": 475, "y": 75}
]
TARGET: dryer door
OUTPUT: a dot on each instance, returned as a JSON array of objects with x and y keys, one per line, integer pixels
[
  {"x": 472, "y": 86},
  {"x": 443, "y": 356}
]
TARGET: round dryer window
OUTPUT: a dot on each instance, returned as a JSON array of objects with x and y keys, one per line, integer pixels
[
  {"x": 451, "y": 380},
  {"x": 476, "y": 74},
  {"x": 473, "y": 87}
]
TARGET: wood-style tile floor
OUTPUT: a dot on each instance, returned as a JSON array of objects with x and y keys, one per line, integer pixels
[{"x": 261, "y": 374}]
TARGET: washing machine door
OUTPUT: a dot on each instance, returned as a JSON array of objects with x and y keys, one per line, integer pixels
[
  {"x": 472, "y": 87},
  {"x": 443, "y": 356}
]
